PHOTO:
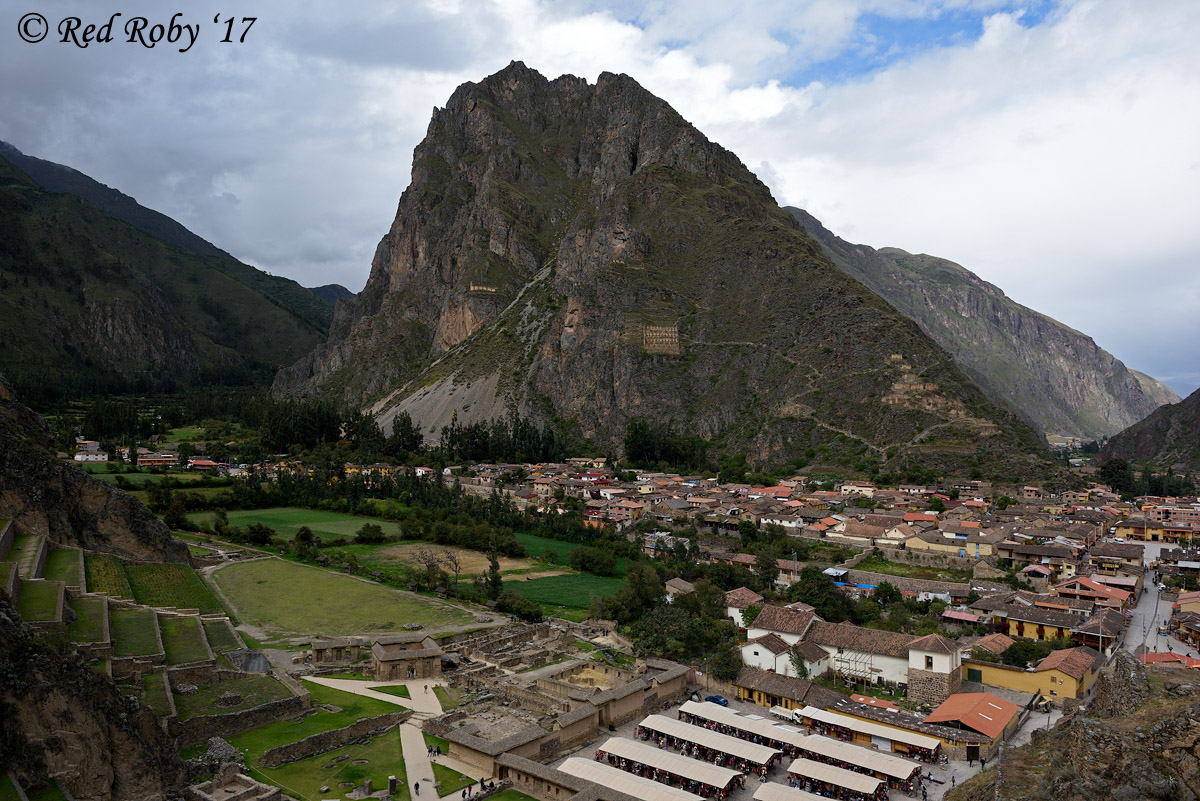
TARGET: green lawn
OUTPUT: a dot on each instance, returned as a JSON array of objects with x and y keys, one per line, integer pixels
[
  {"x": 39, "y": 600},
  {"x": 154, "y": 692},
  {"x": 221, "y": 637},
  {"x": 352, "y": 708},
  {"x": 304, "y": 779},
  {"x": 174, "y": 585},
  {"x": 286, "y": 521},
  {"x": 89, "y": 621},
  {"x": 451, "y": 780},
  {"x": 7, "y": 791},
  {"x": 133, "y": 632},
  {"x": 106, "y": 574},
  {"x": 448, "y": 697},
  {"x": 63, "y": 565},
  {"x": 255, "y": 690},
  {"x": 877, "y": 564},
  {"x": 574, "y": 590},
  {"x": 399, "y": 690},
  {"x": 182, "y": 640},
  {"x": 350, "y": 675},
  {"x": 290, "y": 597},
  {"x": 540, "y": 546},
  {"x": 185, "y": 434},
  {"x": 47, "y": 792},
  {"x": 24, "y": 550}
]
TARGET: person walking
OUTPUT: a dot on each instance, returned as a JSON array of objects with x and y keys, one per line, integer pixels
[{"x": 416, "y": 788}]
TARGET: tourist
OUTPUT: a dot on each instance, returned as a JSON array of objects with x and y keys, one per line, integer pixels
[{"x": 416, "y": 788}]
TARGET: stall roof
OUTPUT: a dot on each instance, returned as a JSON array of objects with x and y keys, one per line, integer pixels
[
  {"x": 887, "y": 764},
  {"x": 616, "y": 779},
  {"x": 773, "y": 791},
  {"x": 693, "y": 769},
  {"x": 873, "y": 729},
  {"x": 743, "y": 749},
  {"x": 755, "y": 724},
  {"x": 839, "y": 777}
]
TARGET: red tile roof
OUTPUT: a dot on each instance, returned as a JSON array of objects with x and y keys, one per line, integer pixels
[{"x": 981, "y": 712}]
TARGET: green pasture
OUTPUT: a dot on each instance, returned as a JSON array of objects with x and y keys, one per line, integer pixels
[
  {"x": 378, "y": 759},
  {"x": 134, "y": 632},
  {"x": 89, "y": 620},
  {"x": 572, "y": 590},
  {"x": 62, "y": 564},
  {"x": 287, "y": 520}
]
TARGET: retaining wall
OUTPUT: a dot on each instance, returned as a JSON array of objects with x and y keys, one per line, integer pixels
[
  {"x": 326, "y": 741},
  {"x": 6, "y": 539},
  {"x": 199, "y": 729}
]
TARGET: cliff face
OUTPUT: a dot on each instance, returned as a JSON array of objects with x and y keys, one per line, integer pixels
[
  {"x": 584, "y": 254},
  {"x": 1058, "y": 378},
  {"x": 42, "y": 496},
  {"x": 61, "y": 719},
  {"x": 1169, "y": 438}
]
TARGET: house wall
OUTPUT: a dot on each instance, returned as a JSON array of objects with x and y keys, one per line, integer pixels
[
  {"x": 790, "y": 639},
  {"x": 1051, "y": 684},
  {"x": 888, "y": 669},
  {"x": 1036, "y": 631}
]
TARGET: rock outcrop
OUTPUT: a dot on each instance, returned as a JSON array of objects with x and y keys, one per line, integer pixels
[
  {"x": 43, "y": 496},
  {"x": 1056, "y": 377},
  {"x": 1169, "y": 438},
  {"x": 583, "y": 254},
  {"x": 60, "y": 719}
]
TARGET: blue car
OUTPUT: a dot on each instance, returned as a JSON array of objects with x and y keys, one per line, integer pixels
[{"x": 717, "y": 699}]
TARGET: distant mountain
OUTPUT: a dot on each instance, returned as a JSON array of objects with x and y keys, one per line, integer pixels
[
  {"x": 1058, "y": 378},
  {"x": 584, "y": 255},
  {"x": 1169, "y": 438},
  {"x": 332, "y": 293},
  {"x": 92, "y": 304}
]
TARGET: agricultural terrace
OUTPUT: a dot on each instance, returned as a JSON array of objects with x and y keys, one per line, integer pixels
[
  {"x": 47, "y": 792},
  {"x": 106, "y": 574},
  {"x": 254, "y": 690},
  {"x": 573, "y": 591},
  {"x": 63, "y": 565},
  {"x": 23, "y": 552},
  {"x": 289, "y": 598},
  {"x": 39, "y": 600},
  {"x": 559, "y": 553},
  {"x": 154, "y": 693},
  {"x": 351, "y": 708},
  {"x": 89, "y": 620},
  {"x": 7, "y": 791},
  {"x": 221, "y": 637},
  {"x": 877, "y": 564},
  {"x": 134, "y": 632},
  {"x": 286, "y": 521},
  {"x": 378, "y": 759},
  {"x": 169, "y": 584},
  {"x": 182, "y": 640}
]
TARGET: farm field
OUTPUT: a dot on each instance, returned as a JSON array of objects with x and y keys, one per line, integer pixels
[
  {"x": 154, "y": 693},
  {"x": 106, "y": 574},
  {"x": 877, "y": 564},
  {"x": 63, "y": 565},
  {"x": 380, "y": 758},
  {"x": 287, "y": 520},
  {"x": 89, "y": 621},
  {"x": 182, "y": 640},
  {"x": 221, "y": 637},
  {"x": 254, "y": 690},
  {"x": 574, "y": 591},
  {"x": 541, "y": 546},
  {"x": 285, "y": 597},
  {"x": 39, "y": 600},
  {"x": 174, "y": 585},
  {"x": 134, "y": 632}
]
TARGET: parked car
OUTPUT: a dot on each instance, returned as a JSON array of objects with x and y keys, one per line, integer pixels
[{"x": 717, "y": 699}]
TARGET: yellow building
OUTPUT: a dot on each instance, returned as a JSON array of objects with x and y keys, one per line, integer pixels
[
  {"x": 1068, "y": 673},
  {"x": 1033, "y": 623}
]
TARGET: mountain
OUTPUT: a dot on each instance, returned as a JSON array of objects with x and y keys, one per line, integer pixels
[
  {"x": 1169, "y": 438},
  {"x": 1058, "y": 378},
  {"x": 90, "y": 303},
  {"x": 44, "y": 497},
  {"x": 584, "y": 255},
  {"x": 331, "y": 293}
]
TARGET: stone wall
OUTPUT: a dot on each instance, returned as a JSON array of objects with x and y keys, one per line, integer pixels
[
  {"x": 197, "y": 730},
  {"x": 444, "y": 723},
  {"x": 329, "y": 740},
  {"x": 928, "y": 687},
  {"x": 6, "y": 539}
]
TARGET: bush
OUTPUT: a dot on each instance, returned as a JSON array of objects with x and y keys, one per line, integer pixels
[
  {"x": 593, "y": 560},
  {"x": 370, "y": 534}
]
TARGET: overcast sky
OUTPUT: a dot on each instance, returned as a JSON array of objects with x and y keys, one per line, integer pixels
[{"x": 1053, "y": 148}]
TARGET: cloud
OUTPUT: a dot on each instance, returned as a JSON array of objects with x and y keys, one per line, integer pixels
[{"x": 1049, "y": 147}]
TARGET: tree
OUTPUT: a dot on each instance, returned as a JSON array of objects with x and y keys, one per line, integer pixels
[
  {"x": 431, "y": 560},
  {"x": 453, "y": 560},
  {"x": 750, "y": 614},
  {"x": 937, "y": 505},
  {"x": 726, "y": 663},
  {"x": 886, "y": 593},
  {"x": 600, "y": 561},
  {"x": 767, "y": 568},
  {"x": 370, "y": 534},
  {"x": 495, "y": 584},
  {"x": 818, "y": 591},
  {"x": 796, "y": 660},
  {"x": 747, "y": 531}
]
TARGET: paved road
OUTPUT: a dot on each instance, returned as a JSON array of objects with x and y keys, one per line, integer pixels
[{"x": 1152, "y": 609}]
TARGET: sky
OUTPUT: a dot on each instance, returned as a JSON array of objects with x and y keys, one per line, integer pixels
[{"x": 1050, "y": 146}]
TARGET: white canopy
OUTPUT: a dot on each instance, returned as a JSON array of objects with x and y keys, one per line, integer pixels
[
  {"x": 692, "y": 769},
  {"x": 839, "y": 777},
  {"x": 771, "y": 791},
  {"x": 873, "y": 729},
  {"x": 742, "y": 749},
  {"x": 752, "y": 724},
  {"x": 606, "y": 775}
]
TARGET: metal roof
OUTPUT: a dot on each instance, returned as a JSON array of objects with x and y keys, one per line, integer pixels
[
  {"x": 872, "y": 760},
  {"x": 693, "y": 769},
  {"x": 616, "y": 779},
  {"x": 873, "y": 729},
  {"x": 734, "y": 746},
  {"x": 839, "y": 777},
  {"x": 773, "y": 791}
]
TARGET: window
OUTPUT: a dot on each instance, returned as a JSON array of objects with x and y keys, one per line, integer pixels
[
  {"x": 929, "y": 663},
  {"x": 756, "y": 653}
]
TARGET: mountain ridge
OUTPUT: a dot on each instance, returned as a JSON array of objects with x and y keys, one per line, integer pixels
[
  {"x": 1169, "y": 438},
  {"x": 1055, "y": 376},
  {"x": 585, "y": 255}
]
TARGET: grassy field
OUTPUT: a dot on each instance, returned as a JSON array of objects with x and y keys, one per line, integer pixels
[
  {"x": 182, "y": 640},
  {"x": 440, "y": 742},
  {"x": 39, "y": 600},
  {"x": 286, "y": 521},
  {"x": 133, "y": 632},
  {"x": 254, "y": 690},
  {"x": 451, "y": 780},
  {"x": 399, "y": 690},
  {"x": 63, "y": 565},
  {"x": 877, "y": 564},
  {"x": 574, "y": 591},
  {"x": 170, "y": 585},
  {"x": 154, "y": 693},
  {"x": 106, "y": 574},
  {"x": 380, "y": 758},
  {"x": 448, "y": 697},
  {"x": 288, "y": 597},
  {"x": 221, "y": 637},
  {"x": 352, "y": 708},
  {"x": 89, "y": 623},
  {"x": 541, "y": 546},
  {"x": 24, "y": 550}
]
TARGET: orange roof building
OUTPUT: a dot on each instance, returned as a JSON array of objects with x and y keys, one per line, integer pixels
[{"x": 981, "y": 712}]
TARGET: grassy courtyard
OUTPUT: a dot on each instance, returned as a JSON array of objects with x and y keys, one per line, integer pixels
[
  {"x": 377, "y": 760},
  {"x": 285, "y": 597},
  {"x": 174, "y": 585},
  {"x": 89, "y": 621},
  {"x": 254, "y": 690},
  {"x": 877, "y": 564},
  {"x": 352, "y": 708},
  {"x": 182, "y": 640},
  {"x": 39, "y": 600},
  {"x": 286, "y": 521}
]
